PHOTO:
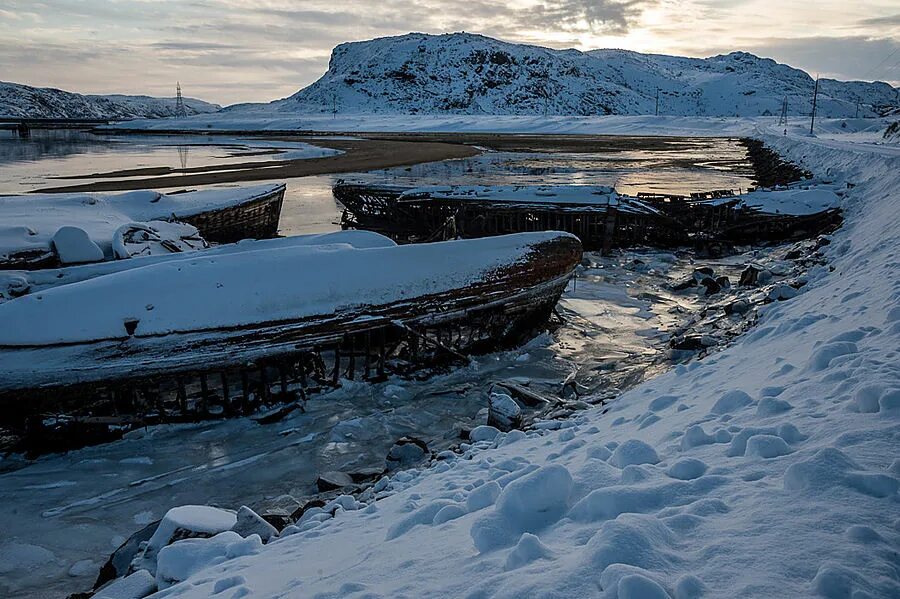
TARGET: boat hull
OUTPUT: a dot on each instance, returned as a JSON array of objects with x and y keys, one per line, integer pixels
[{"x": 193, "y": 375}]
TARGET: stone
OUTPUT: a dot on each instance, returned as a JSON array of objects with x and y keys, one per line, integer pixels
[
  {"x": 724, "y": 282},
  {"x": 781, "y": 293},
  {"x": 688, "y": 343},
  {"x": 750, "y": 276},
  {"x": 406, "y": 452},
  {"x": 737, "y": 307},
  {"x": 685, "y": 283},
  {"x": 250, "y": 523},
  {"x": 333, "y": 480},
  {"x": 712, "y": 287},
  {"x": 503, "y": 412},
  {"x": 704, "y": 272}
]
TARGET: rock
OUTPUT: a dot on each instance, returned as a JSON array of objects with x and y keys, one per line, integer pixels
[
  {"x": 250, "y": 523},
  {"x": 134, "y": 586},
  {"x": 687, "y": 343},
  {"x": 737, "y": 307},
  {"x": 333, "y": 480},
  {"x": 712, "y": 287},
  {"x": 406, "y": 452},
  {"x": 73, "y": 246},
  {"x": 685, "y": 283},
  {"x": 724, "y": 282},
  {"x": 704, "y": 272},
  {"x": 119, "y": 562},
  {"x": 483, "y": 433},
  {"x": 503, "y": 412},
  {"x": 781, "y": 293},
  {"x": 750, "y": 276},
  {"x": 309, "y": 505},
  {"x": 187, "y": 522}
]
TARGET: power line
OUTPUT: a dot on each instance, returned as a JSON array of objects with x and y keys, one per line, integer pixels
[{"x": 883, "y": 60}]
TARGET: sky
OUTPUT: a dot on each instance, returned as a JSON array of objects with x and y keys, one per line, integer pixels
[{"x": 230, "y": 51}]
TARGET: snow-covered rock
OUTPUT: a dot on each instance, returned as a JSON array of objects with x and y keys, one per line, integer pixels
[
  {"x": 250, "y": 523},
  {"x": 24, "y": 101},
  {"x": 178, "y": 561},
  {"x": 187, "y": 521}
]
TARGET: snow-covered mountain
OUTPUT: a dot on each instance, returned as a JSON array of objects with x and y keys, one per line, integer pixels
[
  {"x": 17, "y": 100},
  {"x": 472, "y": 74}
]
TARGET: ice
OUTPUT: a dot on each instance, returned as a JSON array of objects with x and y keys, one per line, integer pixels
[
  {"x": 483, "y": 433},
  {"x": 134, "y": 586}
]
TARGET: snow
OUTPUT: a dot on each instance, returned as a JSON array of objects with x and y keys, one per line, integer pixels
[
  {"x": 180, "y": 560},
  {"x": 287, "y": 284},
  {"x": 718, "y": 497},
  {"x": 17, "y": 100},
  {"x": 794, "y": 202},
  {"x": 15, "y": 283},
  {"x": 73, "y": 245},
  {"x": 196, "y": 519},
  {"x": 30, "y": 222}
]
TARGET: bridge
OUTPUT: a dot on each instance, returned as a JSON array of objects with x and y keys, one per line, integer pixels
[{"x": 24, "y": 125}]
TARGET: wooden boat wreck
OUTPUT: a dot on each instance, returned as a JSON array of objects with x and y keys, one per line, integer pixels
[
  {"x": 599, "y": 216},
  {"x": 50, "y": 230},
  {"x": 207, "y": 336}
]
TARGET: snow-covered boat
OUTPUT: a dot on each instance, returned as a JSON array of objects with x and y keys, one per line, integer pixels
[
  {"x": 215, "y": 333},
  {"x": 598, "y": 215},
  {"x": 47, "y": 230}
]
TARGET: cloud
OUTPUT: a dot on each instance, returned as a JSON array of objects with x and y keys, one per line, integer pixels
[
  {"x": 255, "y": 50},
  {"x": 847, "y": 58}
]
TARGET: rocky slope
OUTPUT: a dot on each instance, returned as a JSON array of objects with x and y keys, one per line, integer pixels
[
  {"x": 471, "y": 74},
  {"x": 17, "y": 100}
]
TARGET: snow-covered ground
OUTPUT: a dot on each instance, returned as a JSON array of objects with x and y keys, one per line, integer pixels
[
  {"x": 767, "y": 470},
  {"x": 253, "y": 118}
]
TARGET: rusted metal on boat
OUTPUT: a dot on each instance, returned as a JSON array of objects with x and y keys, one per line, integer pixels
[{"x": 190, "y": 377}]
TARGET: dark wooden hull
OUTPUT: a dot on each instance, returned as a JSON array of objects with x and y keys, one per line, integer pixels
[
  {"x": 430, "y": 219},
  {"x": 180, "y": 377},
  {"x": 678, "y": 221},
  {"x": 255, "y": 219}
]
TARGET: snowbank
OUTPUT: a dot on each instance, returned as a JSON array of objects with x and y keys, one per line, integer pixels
[{"x": 770, "y": 471}]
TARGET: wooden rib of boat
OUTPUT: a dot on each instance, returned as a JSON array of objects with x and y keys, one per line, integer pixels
[
  {"x": 137, "y": 355},
  {"x": 28, "y": 224}
]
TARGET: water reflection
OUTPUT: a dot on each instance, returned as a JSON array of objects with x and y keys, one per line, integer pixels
[{"x": 678, "y": 166}]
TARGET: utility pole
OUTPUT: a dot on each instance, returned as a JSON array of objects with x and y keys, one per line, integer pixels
[
  {"x": 783, "y": 119},
  {"x": 657, "y": 101},
  {"x": 812, "y": 122},
  {"x": 333, "y": 106},
  {"x": 857, "y": 108},
  {"x": 180, "y": 110}
]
